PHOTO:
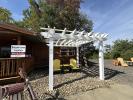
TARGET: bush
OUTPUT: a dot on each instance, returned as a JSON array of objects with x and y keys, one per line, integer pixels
[
  {"x": 115, "y": 54},
  {"x": 122, "y": 48},
  {"x": 127, "y": 54},
  {"x": 107, "y": 55},
  {"x": 95, "y": 56}
]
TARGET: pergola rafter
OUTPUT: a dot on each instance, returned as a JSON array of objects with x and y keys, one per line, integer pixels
[
  {"x": 66, "y": 38},
  {"x": 71, "y": 38}
]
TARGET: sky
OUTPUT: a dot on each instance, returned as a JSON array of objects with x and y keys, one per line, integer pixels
[
  {"x": 114, "y": 17},
  {"x": 16, "y": 7}
]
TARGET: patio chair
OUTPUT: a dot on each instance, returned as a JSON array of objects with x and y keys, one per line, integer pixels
[
  {"x": 57, "y": 65},
  {"x": 115, "y": 62},
  {"x": 73, "y": 64},
  {"x": 65, "y": 65},
  {"x": 121, "y": 62}
]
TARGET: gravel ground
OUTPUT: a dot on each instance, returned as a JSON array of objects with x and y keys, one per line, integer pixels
[{"x": 77, "y": 82}]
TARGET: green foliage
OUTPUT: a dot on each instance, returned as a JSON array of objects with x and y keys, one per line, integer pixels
[
  {"x": 40, "y": 14},
  {"x": 127, "y": 54},
  {"x": 94, "y": 56},
  {"x": 19, "y": 23},
  {"x": 30, "y": 20},
  {"x": 122, "y": 48},
  {"x": 107, "y": 55},
  {"x": 5, "y": 16},
  {"x": 91, "y": 51},
  {"x": 50, "y": 16},
  {"x": 115, "y": 54}
]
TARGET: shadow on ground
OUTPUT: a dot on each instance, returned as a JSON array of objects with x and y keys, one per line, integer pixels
[
  {"x": 92, "y": 69},
  {"x": 56, "y": 96},
  {"x": 38, "y": 73}
]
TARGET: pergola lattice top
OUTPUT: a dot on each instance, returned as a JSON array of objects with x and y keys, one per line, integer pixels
[{"x": 73, "y": 38}]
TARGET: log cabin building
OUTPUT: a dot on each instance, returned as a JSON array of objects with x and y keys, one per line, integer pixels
[{"x": 36, "y": 51}]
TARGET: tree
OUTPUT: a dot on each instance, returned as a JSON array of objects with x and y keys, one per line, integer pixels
[
  {"x": 74, "y": 20},
  {"x": 5, "y": 16},
  {"x": 31, "y": 19},
  {"x": 35, "y": 6},
  {"x": 122, "y": 48},
  {"x": 42, "y": 14},
  {"x": 89, "y": 51}
]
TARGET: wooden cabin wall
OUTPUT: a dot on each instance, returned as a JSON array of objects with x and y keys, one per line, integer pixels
[
  {"x": 29, "y": 59},
  {"x": 56, "y": 52},
  {"x": 40, "y": 54}
]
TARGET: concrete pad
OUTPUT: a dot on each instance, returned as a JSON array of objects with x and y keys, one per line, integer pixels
[{"x": 115, "y": 92}]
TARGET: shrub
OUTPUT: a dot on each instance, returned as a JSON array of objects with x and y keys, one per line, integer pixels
[
  {"x": 107, "y": 55},
  {"x": 115, "y": 54},
  {"x": 95, "y": 56},
  {"x": 127, "y": 54}
]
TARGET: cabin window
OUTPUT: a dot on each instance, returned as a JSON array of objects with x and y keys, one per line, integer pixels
[
  {"x": 5, "y": 52},
  {"x": 64, "y": 51},
  {"x": 68, "y": 51}
]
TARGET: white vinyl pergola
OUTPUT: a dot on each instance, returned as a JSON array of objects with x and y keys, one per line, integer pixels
[{"x": 65, "y": 38}]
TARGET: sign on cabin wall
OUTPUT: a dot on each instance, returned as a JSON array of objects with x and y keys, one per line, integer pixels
[{"x": 18, "y": 50}]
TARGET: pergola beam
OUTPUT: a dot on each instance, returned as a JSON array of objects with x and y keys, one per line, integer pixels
[
  {"x": 68, "y": 42},
  {"x": 58, "y": 41}
]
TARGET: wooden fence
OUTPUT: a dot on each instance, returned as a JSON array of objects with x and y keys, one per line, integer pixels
[{"x": 9, "y": 66}]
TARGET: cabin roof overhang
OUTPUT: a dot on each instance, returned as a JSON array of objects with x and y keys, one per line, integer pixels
[{"x": 13, "y": 29}]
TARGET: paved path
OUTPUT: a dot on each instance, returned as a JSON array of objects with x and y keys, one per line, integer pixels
[
  {"x": 125, "y": 76},
  {"x": 115, "y": 92}
]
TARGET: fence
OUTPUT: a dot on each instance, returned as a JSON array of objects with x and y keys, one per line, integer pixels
[{"x": 9, "y": 66}]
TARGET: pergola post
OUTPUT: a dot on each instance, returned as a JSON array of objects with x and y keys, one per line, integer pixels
[
  {"x": 51, "y": 49},
  {"x": 101, "y": 60},
  {"x": 77, "y": 51}
]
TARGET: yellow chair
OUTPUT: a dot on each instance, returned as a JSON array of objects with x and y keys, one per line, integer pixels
[
  {"x": 56, "y": 65},
  {"x": 115, "y": 62},
  {"x": 73, "y": 63},
  {"x": 121, "y": 62},
  {"x": 132, "y": 59}
]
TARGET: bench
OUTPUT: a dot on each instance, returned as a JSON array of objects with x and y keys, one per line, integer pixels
[{"x": 14, "y": 91}]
